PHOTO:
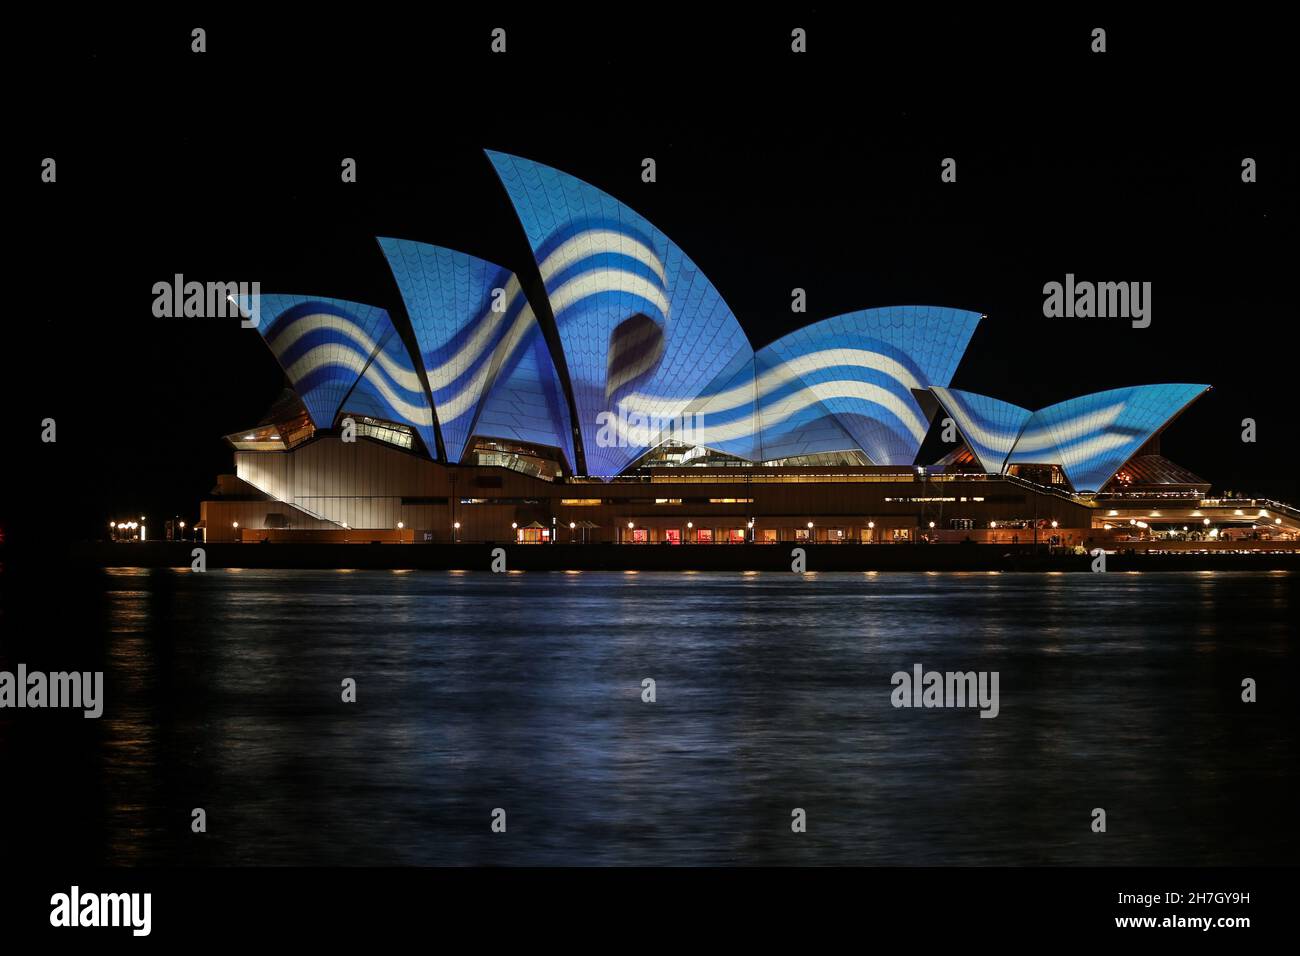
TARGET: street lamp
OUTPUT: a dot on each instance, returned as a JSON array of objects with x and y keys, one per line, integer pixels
[
  {"x": 235, "y": 525},
  {"x": 810, "y": 532},
  {"x": 689, "y": 526},
  {"x": 751, "y": 530},
  {"x": 455, "y": 535},
  {"x": 572, "y": 526}
]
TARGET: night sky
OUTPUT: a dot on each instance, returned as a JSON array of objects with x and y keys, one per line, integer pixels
[{"x": 775, "y": 171}]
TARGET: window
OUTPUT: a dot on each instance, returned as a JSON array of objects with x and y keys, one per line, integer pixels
[
  {"x": 704, "y": 536},
  {"x": 673, "y": 535},
  {"x": 735, "y": 535},
  {"x": 801, "y": 534},
  {"x": 769, "y": 536},
  {"x": 393, "y": 434},
  {"x": 640, "y": 536}
]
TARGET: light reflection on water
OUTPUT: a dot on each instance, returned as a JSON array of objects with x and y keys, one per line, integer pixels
[{"x": 478, "y": 691}]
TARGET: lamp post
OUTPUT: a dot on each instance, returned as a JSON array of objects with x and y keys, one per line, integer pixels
[
  {"x": 810, "y": 532},
  {"x": 751, "y": 530},
  {"x": 871, "y": 527},
  {"x": 455, "y": 532},
  {"x": 689, "y": 525},
  {"x": 630, "y": 526},
  {"x": 400, "y": 526},
  {"x": 235, "y": 525},
  {"x": 572, "y": 525},
  {"x": 514, "y": 526}
]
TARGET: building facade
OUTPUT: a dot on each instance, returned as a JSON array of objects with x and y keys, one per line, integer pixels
[{"x": 626, "y": 404}]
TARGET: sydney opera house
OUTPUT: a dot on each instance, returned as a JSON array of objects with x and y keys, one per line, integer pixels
[{"x": 627, "y": 405}]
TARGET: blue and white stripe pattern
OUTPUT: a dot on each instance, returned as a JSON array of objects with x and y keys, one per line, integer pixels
[
  {"x": 643, "y": 330},
  {"x": 847, "y": 382},
  {"x": 328, "y": 346},
  {"x": 989, "y": 426},
  {"x": 476, "y": 332},
  {"x": 1092, "y": 436}
]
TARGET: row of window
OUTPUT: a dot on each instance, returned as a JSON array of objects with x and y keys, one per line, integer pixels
[{"x": 592, "y": 502}]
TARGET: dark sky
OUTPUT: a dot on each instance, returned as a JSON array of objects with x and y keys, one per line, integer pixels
[{"x": 774, "y": 171}]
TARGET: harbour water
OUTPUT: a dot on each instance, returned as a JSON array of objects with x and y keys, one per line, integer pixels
[{"x": 524, "y": 692}]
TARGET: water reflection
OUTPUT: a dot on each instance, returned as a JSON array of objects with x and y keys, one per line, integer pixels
[{"x": 524, "y": 692}]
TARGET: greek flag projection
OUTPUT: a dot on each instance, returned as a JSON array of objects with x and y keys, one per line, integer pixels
[
  {"x": 333, "y": 350},
  {"x": 644, "y": 332},
  {"x": 847, "y": 382},
  {"x": 1092, "y": 436},
  {"x": 989, "y": 426},
  {"x": 653, "y": 355},
  {"x": 488, "y": 367}
]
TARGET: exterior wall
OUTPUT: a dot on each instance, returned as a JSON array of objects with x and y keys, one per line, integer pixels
[
  {"x": 369, "y": 485},
  {"x": 218, "y": 518}
]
